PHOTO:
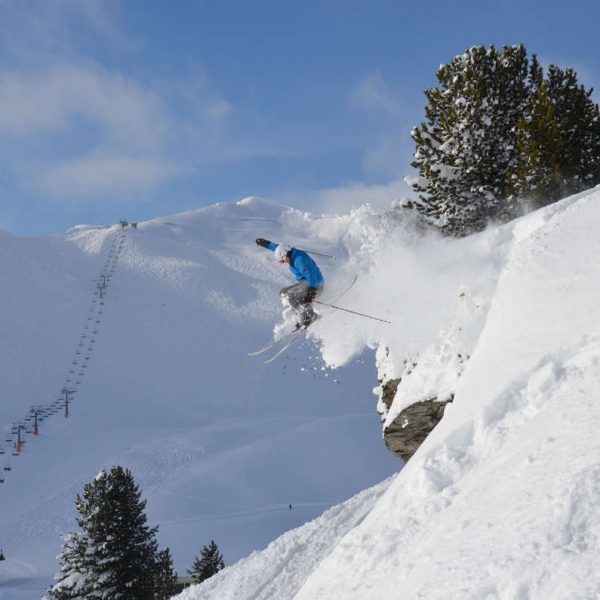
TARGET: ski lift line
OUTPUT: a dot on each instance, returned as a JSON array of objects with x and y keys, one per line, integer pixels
[{"x": 39, "y": 413}]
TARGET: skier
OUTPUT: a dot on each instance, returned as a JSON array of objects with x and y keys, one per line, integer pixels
[{"x": 307, "y": 274}]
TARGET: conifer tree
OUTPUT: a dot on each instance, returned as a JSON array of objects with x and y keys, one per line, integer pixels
[
  {"x": 466, "y": 145},
  {"x": 115, "y": 555},
  {"x": 558, "y": 141},
  {"x": 498, "y": 132},
  {"x": 209, "y": 562},
  {"x": 75, "y": 579},
  {"x": 536, "y": 174},
  {"x": 164, "y": 575}
]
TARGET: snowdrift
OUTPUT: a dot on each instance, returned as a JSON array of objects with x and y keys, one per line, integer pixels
[{"x": 501, "y": 501}]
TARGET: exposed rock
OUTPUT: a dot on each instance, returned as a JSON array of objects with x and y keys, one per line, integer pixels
[
  {"x": 388, "y": 391},
  {"x": 410, "y": 428}
]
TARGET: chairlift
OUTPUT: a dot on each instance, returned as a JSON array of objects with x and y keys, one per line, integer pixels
[{"x": 7, "y": 468}]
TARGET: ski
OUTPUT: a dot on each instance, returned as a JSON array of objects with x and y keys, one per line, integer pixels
[
  {"x": 296, "y": 336},
  {"x": 273, "y": 343}
]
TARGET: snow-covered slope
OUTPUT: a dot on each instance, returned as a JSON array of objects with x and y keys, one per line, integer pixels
[
  {"x": 220, "y": 444},
  {"x": 502, "y": 500}
]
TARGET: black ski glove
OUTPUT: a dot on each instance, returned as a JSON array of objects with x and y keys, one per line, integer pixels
[
  {"x": 311, "y": 294},
  {"x": 262, "y": 242}
]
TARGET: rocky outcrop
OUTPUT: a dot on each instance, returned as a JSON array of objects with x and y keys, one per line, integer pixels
[
  {"x": 410, "y": 428},
  {"x": 388, "y": 391}
]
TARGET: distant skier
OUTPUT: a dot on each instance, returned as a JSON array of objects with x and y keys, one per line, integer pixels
[{"x": 307, "y": 274}]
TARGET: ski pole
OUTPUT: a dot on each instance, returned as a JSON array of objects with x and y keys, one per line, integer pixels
[
  {"x": 351, "y": 311},
  {"x": 320, "y": 254}
]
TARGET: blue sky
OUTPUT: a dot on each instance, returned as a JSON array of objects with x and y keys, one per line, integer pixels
[{"x": 140, "y": 108}]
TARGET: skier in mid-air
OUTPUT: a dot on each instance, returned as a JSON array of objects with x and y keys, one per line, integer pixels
[{"x": 308, "y": 276}]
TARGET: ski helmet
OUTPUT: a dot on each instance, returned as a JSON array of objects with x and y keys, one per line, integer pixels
[{"x": 282, "y": 251}]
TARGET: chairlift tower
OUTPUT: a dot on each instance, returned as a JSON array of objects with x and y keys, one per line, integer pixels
[
  {"x": 19, "y": 427},
  {"x": 68, "y": 393},
  {"x": 35, "y": 410}
]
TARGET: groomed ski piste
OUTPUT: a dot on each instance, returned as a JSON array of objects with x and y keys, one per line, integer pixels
[{"x": 500, "y": 502}]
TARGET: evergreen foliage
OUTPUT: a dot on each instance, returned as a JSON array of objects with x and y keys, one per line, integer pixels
[
  {"x": 209, "y": 562},
  {"x": 498, "y": 132},
  {"x": 164, "y": 575},
  {"x": 558, "y": 140},
  {"x": 115, "y": 554}
]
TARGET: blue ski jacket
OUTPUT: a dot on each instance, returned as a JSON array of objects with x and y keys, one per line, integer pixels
[{"x": 303, "y": 267}]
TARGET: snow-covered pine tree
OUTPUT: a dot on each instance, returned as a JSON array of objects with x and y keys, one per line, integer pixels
[
  {"x": 209, "y": 562},
  {"x": 536, "y": 172},
  {"x": 164, "y": 575},
  {"x": 74, "y": 578},
  {"x": 558, "y": 141},
  {"x": 115, "y": 555},
  {"x": 497, "y": 132},
  {"x": 466, "y": 145}
]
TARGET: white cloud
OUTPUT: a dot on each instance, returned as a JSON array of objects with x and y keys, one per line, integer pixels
[
  {"x": 53, "y": 100},
  {"x": 107, "y": 176},
  {"x": 89, "y": 132},
  {"x": 373, "y": 96},
  {"x": 42, "y": 28}
]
